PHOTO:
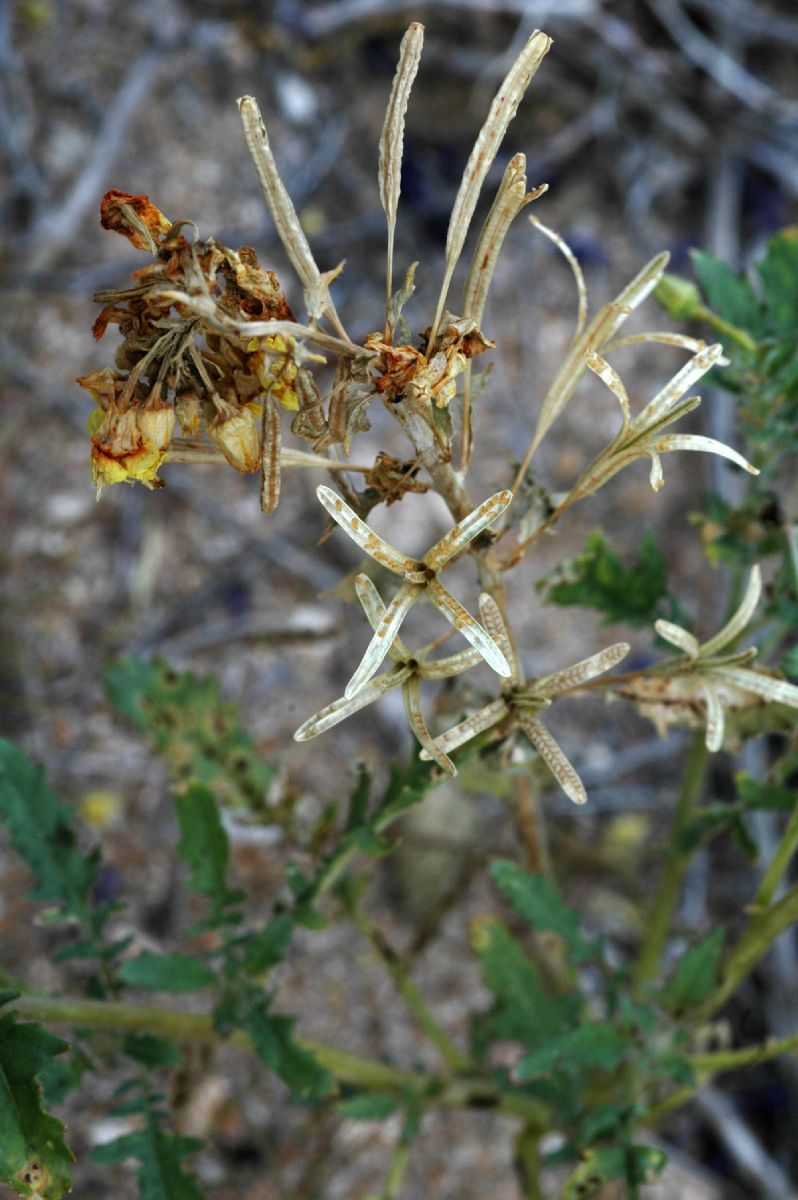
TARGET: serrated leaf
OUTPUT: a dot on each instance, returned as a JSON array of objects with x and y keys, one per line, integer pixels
[
  {"x": 42, "y": 834},
  {"x": 634, "y": 1164},
  {"x": 205, "y": 847},
  {"x": 160, "y": 1174},
  {"x": 596, "y": 578},
  {"x": 589, "y": 1046},
  {"x": 696, "y": 974},
  {"x": 34, "y": 1156},
  {"x": 196, "y": 731},
  {"x": 166, "y": 972},
  {"x": 534, "y": 899},
  {"x": 778, "y": 271},
  {"x": 730, "y": 296},
  {"x": 523, "y": 1010},
  {"x": 264, "y": 948},
  {"x": 368, "y": 1108},
  {"x": 272, "y": 1037}
]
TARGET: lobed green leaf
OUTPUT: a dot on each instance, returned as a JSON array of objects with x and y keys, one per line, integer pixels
[{"x": 34, "y": 1155}]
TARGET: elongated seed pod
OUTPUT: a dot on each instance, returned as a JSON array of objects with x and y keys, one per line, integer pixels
[
  {"x": 392, "y": 137},
  {"x": 270, "y": 457}
]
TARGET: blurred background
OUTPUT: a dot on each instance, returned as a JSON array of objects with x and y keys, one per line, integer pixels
[{"x": 658, "y": 124}]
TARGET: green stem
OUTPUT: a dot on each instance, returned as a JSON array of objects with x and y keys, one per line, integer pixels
[
  {"x": 763, "y": 930},
  {"x": 735, "y": 334},
  {"x": 430, "y": 1091},
  {"x": 659, "y": 920},
  {"x": 706, "y": 1066},
  {"x": 746, "y": 1056},
  {"x": 527, "y": 1158},
  {"x": 410, "y": 993},
  {"x": 400, "y": 1160},
  {"x": 778, "y": 864}
]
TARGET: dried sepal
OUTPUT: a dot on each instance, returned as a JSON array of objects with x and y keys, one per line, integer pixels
[
  {"x": 339, "y": 710},
  {"x": 364, "y": 535},
  {"x": 384, "y": 635},
  {"x": 372, "y": 605},
  {"x": 470, "y": 728},
  {"x": 666, "y": 338},
  {"x": 611, "y": 379},
  {"x": 270, "y": 457},
  {"x": 411, "y": 695},
  {"x": 681, "y": 638},
  {"x": 581, "y": 672},
  {"x": 495, "y": 625},
  {"x": 595, "y": 337},
  {"x": 741, "y": 618},
  {"x": 778, "y": 691},
  {"x": 502, "y": 111},
  {"x": 554, "y": 758},
  {"x": 470, "y": 628},
  {"x": 716, "y": 722},
  {"x": 420, "y": 577},
  {"x": 392, "y": 137},
  {"x": 682, "y": 381},
  {"x": 707, "y": 445},
  {"x": 466, "y": 530},
  {"x": 452, "y": 664},
  {"x": 576, "y": 271},
  {"x": 641, "y": 436}
]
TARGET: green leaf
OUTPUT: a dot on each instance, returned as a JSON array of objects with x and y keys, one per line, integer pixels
[
  {"x": 603, "y": 1121},
  {"x": 205, "y": 847},
  {"x": 523, "y": 1010},
  {"x": 633, "y": 1164},
  {"x": 696, "y": 974},
  {"x": 770, "y": 797},
  {"x": 589, "y": 1046},
  {"x": 789, "y": 664},
  {"x": 34, "y": 1157},
  {"x": 368, "y": 1108},
  {"x": 42, "y": 833},
  {"x": 275, "y": 1044},
  {"x": 778, "y": 271},
  {"x": 408, "y": 784},
  {"x": 534, "y": 899},
  {"x": 161, "y": 1175},
  {"x": 197, "y": 732},
  {"x": 166, "y": 972},
  {"x": 265, "y": 947},
  {"x": 596, "y": 578},
  {"x": 730, "y": 296},
  {"x": 155, "y": 1053}
]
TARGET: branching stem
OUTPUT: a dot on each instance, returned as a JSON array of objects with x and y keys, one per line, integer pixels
[{"x": 658, "y": 921}]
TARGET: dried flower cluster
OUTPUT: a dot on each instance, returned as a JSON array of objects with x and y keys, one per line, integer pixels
[{"x": 210, "y": 343}]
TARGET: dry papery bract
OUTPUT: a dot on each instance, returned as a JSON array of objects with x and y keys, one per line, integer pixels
[{"x": 211, "y": 348}]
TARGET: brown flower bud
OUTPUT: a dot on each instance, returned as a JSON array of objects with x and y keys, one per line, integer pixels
[
  {"x": 189, "y": 412},
  {"x": 156, "y": 422},
  {"x": 238, "y": 437}
]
